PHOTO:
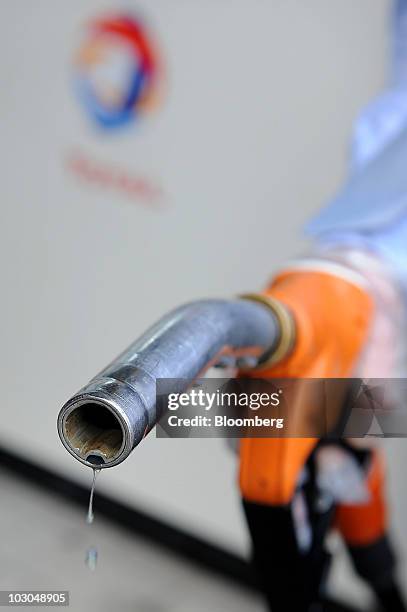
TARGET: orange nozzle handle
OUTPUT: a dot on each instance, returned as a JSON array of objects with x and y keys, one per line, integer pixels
[{"x": 331, "y": 317}]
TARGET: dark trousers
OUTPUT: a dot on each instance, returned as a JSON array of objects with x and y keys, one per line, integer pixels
[{"x": 290, "y": 579}]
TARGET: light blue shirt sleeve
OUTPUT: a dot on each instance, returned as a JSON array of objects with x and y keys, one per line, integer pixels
[{"x": 371, "y": 209}]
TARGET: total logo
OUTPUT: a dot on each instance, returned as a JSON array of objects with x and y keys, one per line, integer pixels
[
  {"x": 118, "y": 78},
  {"x": 117, "y": 71}
]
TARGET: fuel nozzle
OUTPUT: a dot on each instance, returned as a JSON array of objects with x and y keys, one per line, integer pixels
[{"x": 102, "y": 423}]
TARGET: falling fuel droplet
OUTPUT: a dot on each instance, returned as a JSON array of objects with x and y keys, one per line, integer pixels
[
  {"x": 91, "y": 558},
  {"x": 91, "y": 553},
  {"x": 90, "y": 516}
]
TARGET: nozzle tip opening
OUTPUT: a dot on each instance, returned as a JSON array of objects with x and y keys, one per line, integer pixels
[{"x": 93, "y": 433}]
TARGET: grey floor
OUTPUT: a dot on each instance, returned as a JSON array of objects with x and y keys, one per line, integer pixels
[{"x": 43, "y": 546}]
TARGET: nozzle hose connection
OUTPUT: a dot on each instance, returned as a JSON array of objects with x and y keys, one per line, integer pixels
[{"x": 102, "y": 423}]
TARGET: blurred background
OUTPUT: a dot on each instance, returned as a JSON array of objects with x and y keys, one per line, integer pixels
[{"x": 201, "y": 189}]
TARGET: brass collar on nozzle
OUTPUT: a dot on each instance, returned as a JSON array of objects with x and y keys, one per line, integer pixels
[{"x": 286, "y": 323}]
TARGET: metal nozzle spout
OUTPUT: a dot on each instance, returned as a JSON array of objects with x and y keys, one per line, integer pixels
[
  {"x": 104, "y": 421},
  {"x": 94, "y": 432},
  {"x": 100, "y": 424}
]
